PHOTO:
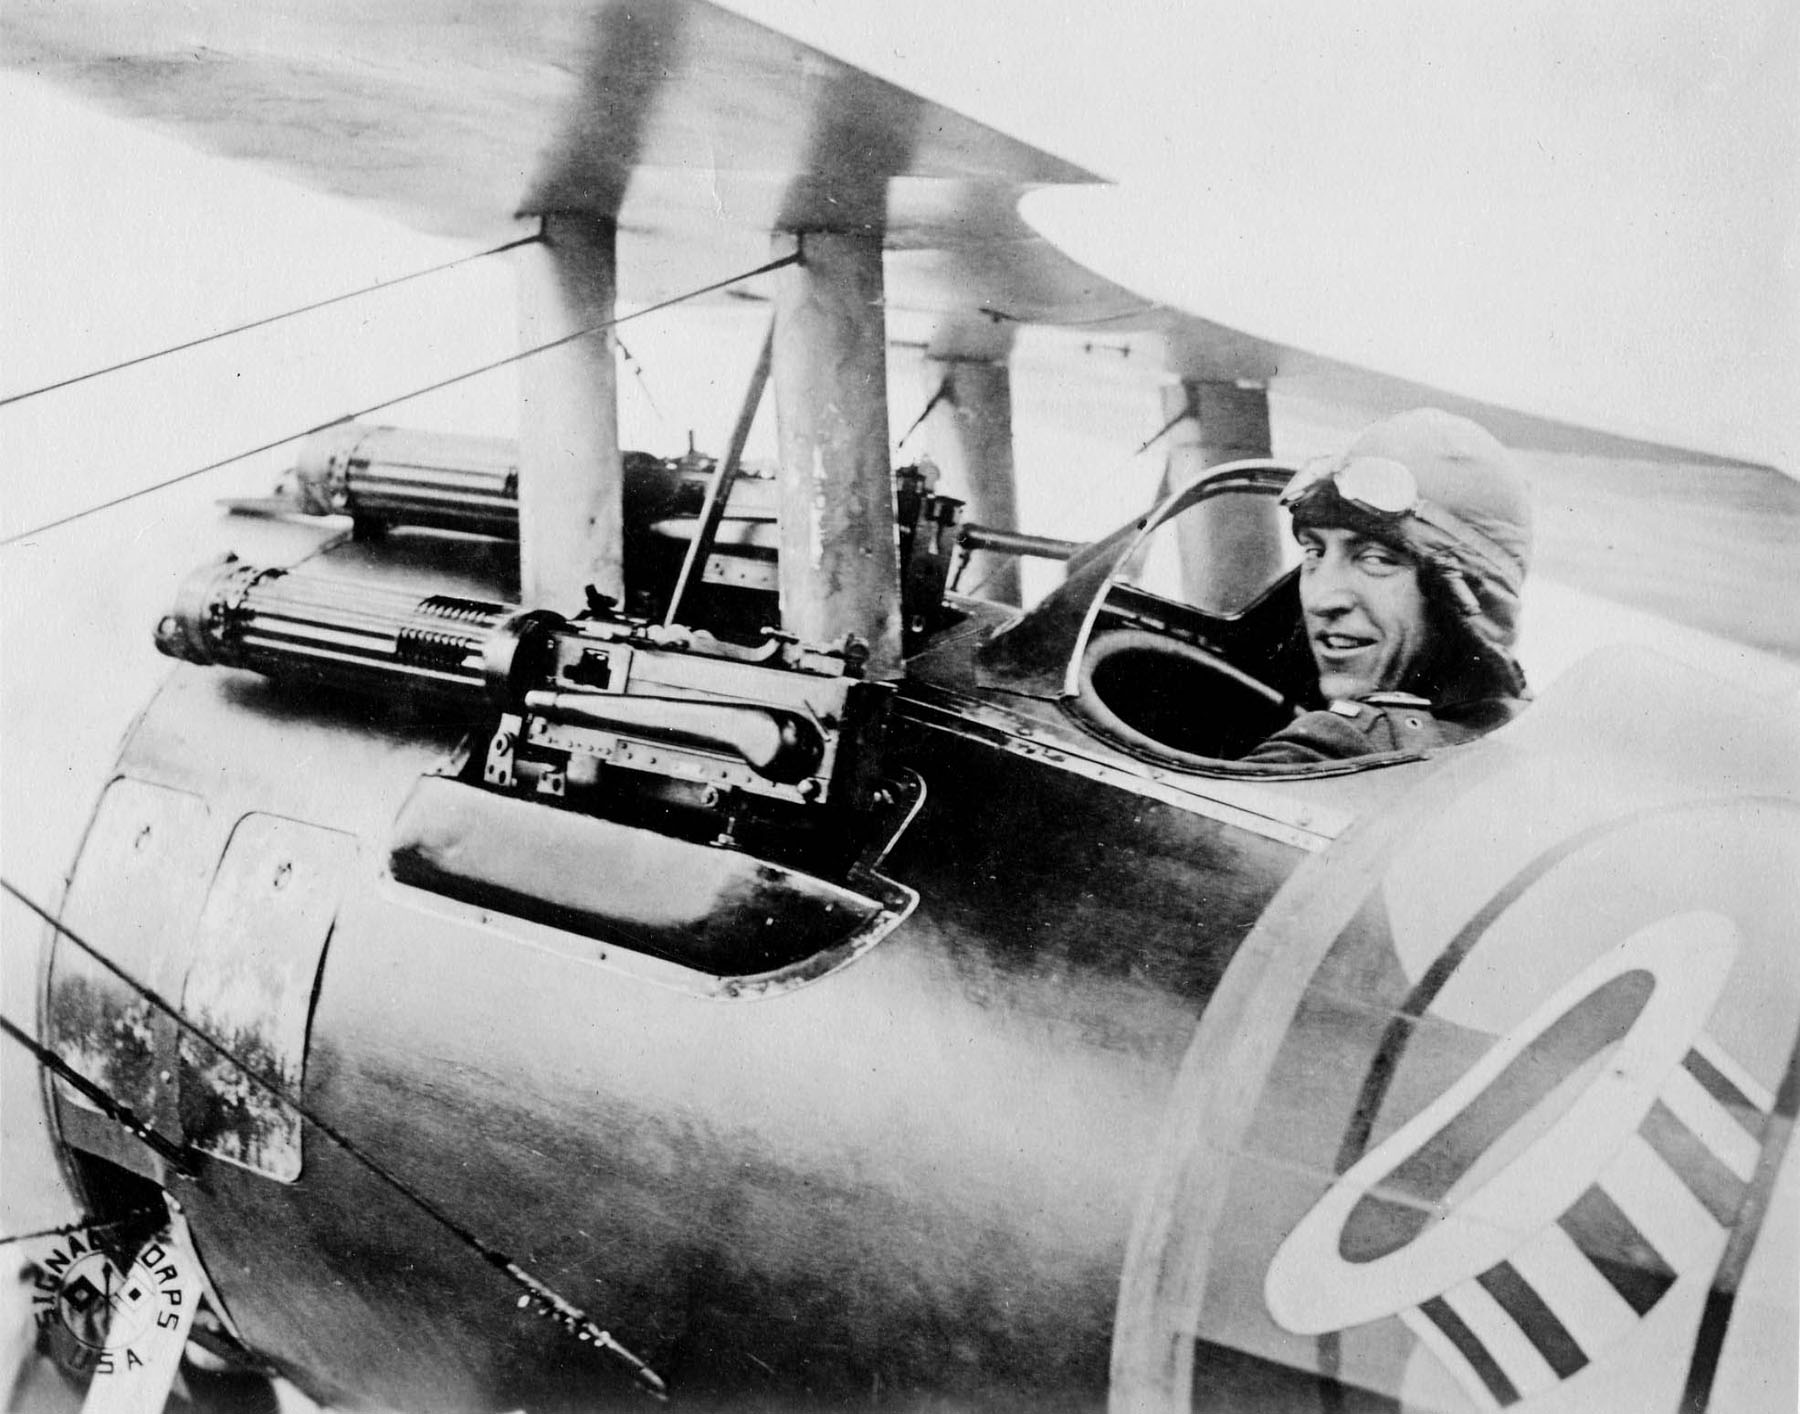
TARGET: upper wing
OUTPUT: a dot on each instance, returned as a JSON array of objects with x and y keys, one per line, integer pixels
[
  {"x": 699, "y": 130},
  {"x": 1279, "y": 184}
]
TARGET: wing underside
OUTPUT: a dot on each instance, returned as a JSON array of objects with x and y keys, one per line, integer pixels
[{"x": 701, "y": 132}]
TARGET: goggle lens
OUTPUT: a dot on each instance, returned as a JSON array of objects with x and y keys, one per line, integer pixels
[{"x": 1377, "y": 484}]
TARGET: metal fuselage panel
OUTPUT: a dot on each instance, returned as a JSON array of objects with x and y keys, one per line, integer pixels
[{"x": 915, "y": 1172}]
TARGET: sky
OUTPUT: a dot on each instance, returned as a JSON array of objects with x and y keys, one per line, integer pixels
[{"x": 1591, "y": 211}]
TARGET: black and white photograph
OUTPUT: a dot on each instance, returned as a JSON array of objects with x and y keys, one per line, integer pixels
[{"x": 998, "y": 707}]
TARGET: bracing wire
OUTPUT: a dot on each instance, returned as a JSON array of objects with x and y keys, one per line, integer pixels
[
  {"x": 386, "y": 403},
  {"x": 536, "y": 1294},
  {"x": 637, "y": 371},
  {"x": 1187, "y": 411},
  {"x": 945, "y": 393},
  {"x": 122, "y": 1114},
  {"x": 123, "y": 364}
]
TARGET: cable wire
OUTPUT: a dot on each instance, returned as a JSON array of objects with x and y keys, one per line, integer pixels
[
  {"x": 170, "y": 1153},
  {"x": 637, "y": 370},
  {"x": 382, "y": 406},
  {"x": 945, "y": 393},
  {"x": 11, "y": 398},
  {"x": 536, "y": 1294},
  {"x": 1187, "y": 410}
]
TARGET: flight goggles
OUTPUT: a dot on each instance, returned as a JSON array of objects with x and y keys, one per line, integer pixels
[
  {"x": 1387, "y": 489},
  {"x": 1379, "y": 485}
]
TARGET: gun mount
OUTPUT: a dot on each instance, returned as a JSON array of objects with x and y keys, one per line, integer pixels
[{"x": 690, "y": 716}]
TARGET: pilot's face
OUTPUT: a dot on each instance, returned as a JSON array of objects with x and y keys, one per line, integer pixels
[{"x": 1365, "y": 611}]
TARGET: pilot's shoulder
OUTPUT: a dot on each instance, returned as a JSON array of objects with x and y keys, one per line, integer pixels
[{"x": 1382, "y": 721}]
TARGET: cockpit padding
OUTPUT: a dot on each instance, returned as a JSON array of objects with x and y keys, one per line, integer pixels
[
  {"x": 1165, "y": 679},
  {"x": 1160, "y": 695}
]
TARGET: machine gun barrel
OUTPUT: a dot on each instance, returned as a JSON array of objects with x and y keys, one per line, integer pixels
[
  {"x": 1014, "y": 542},
  {"x": 393, "y": 475},
  {"x": 606, "y": 689},
  {"x": 357, "y": 636}
]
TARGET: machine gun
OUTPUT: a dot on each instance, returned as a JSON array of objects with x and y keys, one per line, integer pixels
[
  {"x": 388, "y": 477},
  {"x": 666, "y": 713}
]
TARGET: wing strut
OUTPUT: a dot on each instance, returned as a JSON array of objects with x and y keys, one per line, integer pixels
[
  {"x": 1229, "y": 541},
  {"x": 840, "y": 564},
  {"x": 971, "y": 440},
  {"x": 571, "y": 529}
]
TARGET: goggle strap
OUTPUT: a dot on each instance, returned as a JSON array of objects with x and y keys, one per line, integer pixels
[
  {"x": 1450, "y": 573},
  {"x": 1319, "y": 472}
]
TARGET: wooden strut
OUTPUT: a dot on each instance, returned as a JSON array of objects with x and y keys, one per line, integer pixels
[
  {"x": 839, "y": 560},
  {"x": 571, "y": 531},
  {"x": 971, "y": 440},
  {"x": 1228, "y": 542}
]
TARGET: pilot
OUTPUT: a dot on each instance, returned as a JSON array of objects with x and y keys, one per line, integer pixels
[{"x": 1415, "y": 542}]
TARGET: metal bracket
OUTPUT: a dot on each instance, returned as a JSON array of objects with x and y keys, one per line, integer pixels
[{"x": 501, "y": 766}]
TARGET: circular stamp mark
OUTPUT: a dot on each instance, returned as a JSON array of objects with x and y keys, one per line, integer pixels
[{"x": 105, "y": 1310}]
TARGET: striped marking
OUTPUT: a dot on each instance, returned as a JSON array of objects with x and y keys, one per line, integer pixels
[
  {"x": 1527, "y": 1278},
  {"x": 1730, "y": 1084},
  {"x": 1549, "y": 1337},
  {"x": 1619, "y": 1252},
  {"x": 1362, "y": 1252},
  {"x": 1707, "y": 1177},
  {"x": 1663, "y": 1206},
  {"x": 1469, "y": 1352},
  {"x": 1451, "y": 1359},
  {"x": 1433, "y": 1339},
  {"x": 1589, "y": 1306},
  {"x": 1676, "y": 1224},
  {"x": 1720, "y": 1125},
  {"x": 1511, "y": 1349}
]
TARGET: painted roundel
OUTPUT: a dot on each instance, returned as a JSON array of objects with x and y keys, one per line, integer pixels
[{"x": 1489, "y": 1110}]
